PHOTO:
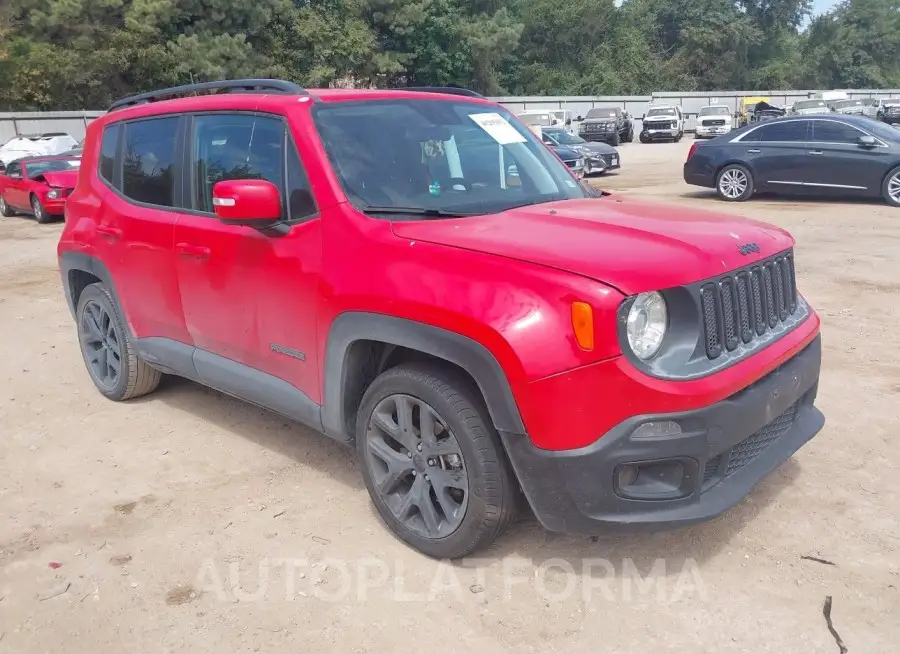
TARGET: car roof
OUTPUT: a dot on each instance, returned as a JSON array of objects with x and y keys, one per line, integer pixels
[{"x": 276, "y": 102}]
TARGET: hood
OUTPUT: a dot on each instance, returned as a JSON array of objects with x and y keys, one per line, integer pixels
[
  {"x": 631, "y": 245},
  {"x": 608, "y": 119},
  {"x": 58, "y": 179},
  {"x": 597, "y": 148},
  {"x": 566, "y": 153}
]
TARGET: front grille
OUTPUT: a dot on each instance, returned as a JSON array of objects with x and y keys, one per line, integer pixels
[
  {"x": 745, "y": 305},
  {"x": 717, "y": 122},
  {"x": 747, "y": 450}
]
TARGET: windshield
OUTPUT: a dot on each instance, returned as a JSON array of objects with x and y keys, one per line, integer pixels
[
  {"x": 719, "y": 110},
  {"x": 809, "y": 104},
  {"x": 840, "y": 104},
  {"x": 564, "y": 137},
  {"x": 603, "y": 112},
  {"x": 439, "y": 155},
  {"x": 52, "y": 166},
  {"x": 883, "y": 131},
  {"x": 661, "y": 111}
]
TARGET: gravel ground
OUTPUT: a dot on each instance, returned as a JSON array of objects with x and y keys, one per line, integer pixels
[{"x": 189, "y": 521}]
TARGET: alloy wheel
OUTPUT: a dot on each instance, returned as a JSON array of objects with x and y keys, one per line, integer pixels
[
  {"x": 894, "y": 188},
  {"x": 101, "y": 344},
  {"x": 417, "y": 466},
  {"x": 36, "y": 208},
  {"x": 733, "y": 183}
]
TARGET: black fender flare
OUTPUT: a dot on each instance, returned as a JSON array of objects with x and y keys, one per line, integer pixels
[
  {"x": 460, "y": 350},
  {"x": 69, "y": 261}
]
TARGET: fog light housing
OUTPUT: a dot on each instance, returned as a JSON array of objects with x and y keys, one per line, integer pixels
[
  {"x": 667, "y": 479},
  {"x": 659, "y": 429}
]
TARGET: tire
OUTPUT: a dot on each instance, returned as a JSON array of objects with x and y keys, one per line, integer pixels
[
  {"x": 463, "y": 430},
  {"x": 630, "y": 137},
  {"x": 40, "y": 214},
  {"x": 644, "y": 139},
  {"x": 614, "y": 141},
  {"x": 734, "y": 183},
  {"x": 890, "y": 187},
  {"x": 5, "y": 209},
  {"x": 135, "y": 377}
]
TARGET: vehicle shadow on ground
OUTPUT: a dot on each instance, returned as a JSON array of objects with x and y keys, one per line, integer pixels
[
  {"x": 525, "y": 538},
  {"x": 772, "y": 198},
  {"x": 261, "y": 426},
  {"x": 644, "y": 550}
]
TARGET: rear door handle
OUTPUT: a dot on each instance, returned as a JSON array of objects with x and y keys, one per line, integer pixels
[
  {"x": 753, "y": 151},
  {"x": 816, "y": 152},
  {"x": 109, "y": 233},
  {"x": 188, "y": 250}
]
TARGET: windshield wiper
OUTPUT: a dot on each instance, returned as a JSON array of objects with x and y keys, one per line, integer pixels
[{"x": 416, "y": 211}]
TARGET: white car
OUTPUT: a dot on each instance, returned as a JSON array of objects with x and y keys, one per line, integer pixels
[
  {"x": 713, "y": 120},
  {"x": 540, "y": 118},
  {"x": 662, "y": 122},
  {"x": 810, "y": 107},
  {"x": 35, "y": 145}
]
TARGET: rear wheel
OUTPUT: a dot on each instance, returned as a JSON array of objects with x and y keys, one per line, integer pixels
[
  {"x": 630, "y": 137},
  {"x": 432, "y": 461},
  {"x": 5, "y": 210},
  {"x": 108, "y": 353},
  {"x": 734, "y": 183},
  {"x": 890, "y": 189}
]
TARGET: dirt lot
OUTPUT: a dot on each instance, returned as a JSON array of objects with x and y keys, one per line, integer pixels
[{"x": 188, "y": 521}]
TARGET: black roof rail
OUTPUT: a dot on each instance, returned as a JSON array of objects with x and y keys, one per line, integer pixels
[
  {"x": 449, "y": 90},
  {"x": 232, "y": 85}
]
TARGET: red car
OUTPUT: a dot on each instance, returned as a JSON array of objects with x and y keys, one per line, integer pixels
[
  {"x": 415, "y": 274},
  {"x": 38, "y": 185}
]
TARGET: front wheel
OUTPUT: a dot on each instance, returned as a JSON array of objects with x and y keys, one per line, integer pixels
[
  {"x": 644, "y": 138},
  {"x": 630, "y": 137},
  {"x": 433, "y": 462},
  {"x": 734, "y": 183},
  {"x": 890, "y": 189},
  {"x": 37, "y": 208},
  {"x": 614, "y": 141}
]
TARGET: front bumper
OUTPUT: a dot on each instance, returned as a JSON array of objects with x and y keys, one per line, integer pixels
[
  {"x": 652, "y": 133},
  {"x": 712, "y": 130},
  {"x": 602, "y": 163},
  {"x": 724, "y": 450}
]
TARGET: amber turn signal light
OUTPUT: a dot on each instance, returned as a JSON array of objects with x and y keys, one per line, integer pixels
[{"x": 583, "y": 324}]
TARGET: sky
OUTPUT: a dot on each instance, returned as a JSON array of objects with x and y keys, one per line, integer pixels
[{"x": 821, "y": 6}]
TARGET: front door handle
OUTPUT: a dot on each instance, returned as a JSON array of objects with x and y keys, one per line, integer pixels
[
  {"x": 188, "y": 250},
  {"x": 816, "y": 152},
  {"x": 109, "y": 233},
  {"x": 753, "y": 151}
]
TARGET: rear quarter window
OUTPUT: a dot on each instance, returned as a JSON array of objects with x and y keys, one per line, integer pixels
[{"x": 109, "y": 146}]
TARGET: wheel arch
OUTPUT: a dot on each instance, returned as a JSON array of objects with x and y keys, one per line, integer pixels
[
  {"x": 361, "y": 345},
  {"x": 78, "y": 271}
]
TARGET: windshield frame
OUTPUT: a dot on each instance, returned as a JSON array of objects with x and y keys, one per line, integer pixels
[
  {"x": 30, "y": 165},
  {"x": 570, "y": 138},
  {"x": 661, "y": 111},
  {"x": 533, "y": 155},
  {"x": 612, "y": 113}
]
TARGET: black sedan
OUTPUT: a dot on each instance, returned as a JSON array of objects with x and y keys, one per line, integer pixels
[
  {"x": 822, "y": 155},
  {"x": 598, "y": 157}
]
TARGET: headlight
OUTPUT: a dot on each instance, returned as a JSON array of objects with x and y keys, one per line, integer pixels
[
  {"x": 54, "y": 194},
  {"x": 647, "y": 323}
]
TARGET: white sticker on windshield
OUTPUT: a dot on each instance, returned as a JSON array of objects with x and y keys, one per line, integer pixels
[{"x": 498, "y": 128}]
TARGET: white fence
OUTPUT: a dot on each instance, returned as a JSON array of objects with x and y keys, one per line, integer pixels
[
  {"x": 690, "y": 102},
  {"x": 41, "y": 122},
  {"x": 76, "y": 122}
]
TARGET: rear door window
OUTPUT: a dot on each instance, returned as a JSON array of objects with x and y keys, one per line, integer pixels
[
  {"x": 148, "y": 162},
  {"x": 786, "y": 132}
]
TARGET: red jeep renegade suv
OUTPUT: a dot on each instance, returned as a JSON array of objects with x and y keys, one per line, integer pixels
[{"x": 413, "y": 272}]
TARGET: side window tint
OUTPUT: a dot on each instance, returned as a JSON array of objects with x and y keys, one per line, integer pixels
[
  {"x": 14, "y": 170},
  {"x": 148, "y": 173},
  {"x": 108, "y": 149},
  {"x": 301, "y": 203},
  {"x": 791, "y": 130},
  {"x": 829, "y": 131},
  {"x": 235, "y": 146}
]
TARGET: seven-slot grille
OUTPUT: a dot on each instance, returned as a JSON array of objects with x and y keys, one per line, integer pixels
[
  {"x": 745, "y": 305},
  {"x": 715, "y": 122}
]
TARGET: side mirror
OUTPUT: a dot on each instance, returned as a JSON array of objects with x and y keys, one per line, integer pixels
[
  {"x": 579, "y": 118},
  {"x": 250, "y": 202},
  {"x": 866, "y": 141},
  {"x": 568, "y": 121}
]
